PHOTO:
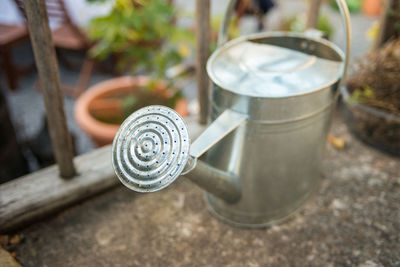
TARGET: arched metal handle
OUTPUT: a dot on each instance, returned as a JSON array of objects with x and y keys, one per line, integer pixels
[{"x": 344, "y": 11}]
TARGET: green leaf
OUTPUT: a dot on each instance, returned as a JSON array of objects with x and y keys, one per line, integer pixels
[
  {"x": 362, "y": 95},
  {"x": 142, "y": 34},
  {"x": 128, "y": 104}
]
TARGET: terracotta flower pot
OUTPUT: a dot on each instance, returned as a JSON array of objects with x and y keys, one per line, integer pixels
[
  {"x": 372, "y": 7},
  {"x": 94, "y": 100}
]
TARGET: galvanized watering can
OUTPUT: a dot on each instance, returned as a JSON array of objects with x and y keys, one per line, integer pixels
[{"x": 259, "y": 160}]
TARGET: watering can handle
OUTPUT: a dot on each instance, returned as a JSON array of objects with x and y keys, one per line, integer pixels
[{"x": 344, "y": 11}]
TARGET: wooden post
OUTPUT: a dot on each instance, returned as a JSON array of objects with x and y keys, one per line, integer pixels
[
  {"x": 203, "y": 51},
  {"x": 313, "y": 13},
  {"x": 389, "y": 18},
  {"x": 47, "y": 67}
]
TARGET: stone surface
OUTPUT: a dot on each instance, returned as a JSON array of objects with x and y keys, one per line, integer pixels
[{"x": 352, "y": 220}]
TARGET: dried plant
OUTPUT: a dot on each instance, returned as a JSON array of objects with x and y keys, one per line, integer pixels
[{"x": 375, "y": 79}]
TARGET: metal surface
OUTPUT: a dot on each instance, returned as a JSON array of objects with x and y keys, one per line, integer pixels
[
  {"x": 151, "y": 148},
  {"x": 275, "y": 64},
  {"x": 223, "y": 125},
  {"x": 221, "y": 184},
  {"x": 260, "y": 158},
  {"x": 277, "y": 153},
  {"x": 344, "y": 11},
  {"x": 277, "y": 162}
]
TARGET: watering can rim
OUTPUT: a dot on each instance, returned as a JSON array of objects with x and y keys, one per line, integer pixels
[
  {"x": 228, "y": 45},
  {"x": 345, "y": 15}
]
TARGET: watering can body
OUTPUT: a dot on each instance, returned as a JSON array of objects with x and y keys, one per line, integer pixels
[
  {"x": 260, "y": 158},
  {"x": 276, "y": 153}
]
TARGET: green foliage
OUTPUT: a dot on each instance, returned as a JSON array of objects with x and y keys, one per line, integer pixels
[
  {"x": 96, "y": 1},
  {"x": 141, "y": 35},
  {"x": 298, "y": 24},
  {"x": 395, "y": 17},
  {"x": 129, "y": 104},
  {"x": 145, "y": 97},
  {"x": 353, "y": 5},
  {"x": 361, "y": 95},
  {"x": 325, "y": 26},
  {"x": 215, "y": 24}
]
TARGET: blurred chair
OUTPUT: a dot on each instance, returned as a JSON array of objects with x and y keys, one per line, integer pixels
[
  {"x": 11, "y": 36},
  {"x": 13, "y": 164},
  {"x": 66, "y": 35},
  {"x": 258, "y": 8}
]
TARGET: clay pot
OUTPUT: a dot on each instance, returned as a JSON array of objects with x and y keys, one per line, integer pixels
[
  {"x": 94, "y": 100},
  {"x": 372, "y": 7}
]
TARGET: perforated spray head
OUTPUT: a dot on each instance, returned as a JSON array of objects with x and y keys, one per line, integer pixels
[{"x": 150, "y": 149}]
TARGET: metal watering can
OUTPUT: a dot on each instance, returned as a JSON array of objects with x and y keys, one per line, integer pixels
[{"x": 259, "y": 160}]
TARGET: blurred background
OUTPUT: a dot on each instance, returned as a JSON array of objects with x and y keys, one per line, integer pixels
[{"x": 102, "y": 41}]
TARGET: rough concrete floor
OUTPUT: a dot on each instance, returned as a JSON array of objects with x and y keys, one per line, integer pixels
[{"x": 353, "y": 220}]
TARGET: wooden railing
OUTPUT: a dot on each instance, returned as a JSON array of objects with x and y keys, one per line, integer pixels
[{"x": 46, "y": 63}]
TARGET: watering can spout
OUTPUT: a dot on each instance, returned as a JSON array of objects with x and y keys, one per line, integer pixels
[
  {"x": 152, "y": 148},
  {"x": 221, "y": 184}
]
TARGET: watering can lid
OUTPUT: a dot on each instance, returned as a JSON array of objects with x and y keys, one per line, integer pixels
[{"x": 255, "y": 68}]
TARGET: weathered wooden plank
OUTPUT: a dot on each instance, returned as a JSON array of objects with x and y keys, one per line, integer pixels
[
  {"x": 41, "y": 193},
  {"x": 203, "y": 51},
  {"x": 313, "y": 13},
  {"x": 47, "y": 67}
]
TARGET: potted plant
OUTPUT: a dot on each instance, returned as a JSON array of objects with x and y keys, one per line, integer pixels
[
  {"x": 372, "y": 98},
  {"x": 372, "y": 7},
  {"x": 144, "y": 41}
]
